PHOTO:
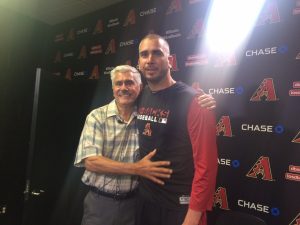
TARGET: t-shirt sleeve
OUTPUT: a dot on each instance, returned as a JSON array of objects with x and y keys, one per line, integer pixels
[
  {"x": 91, "y": 140},
  {"x": 201, "y": 125}
]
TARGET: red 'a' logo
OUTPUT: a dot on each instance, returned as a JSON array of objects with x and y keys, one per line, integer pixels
[
  {"x": 297, "y": 138},
  {"x": 197, "y": 30},
  {"x": 220, "y": 198},
  {"x": 57, "y": 58},
  {"x": 224, "y": 126},
  {"x": 95, "y": 73},
  {"x": 296, "y": 221},
  {"x": 261, "y": 167},
  {"x": 130, "y": 18},
  {"x": 265, "y": 90},
  {"x": 99, "y": 27},
  {"x": 68, "y": 75},
  {"x": 173, "y": 62},
  {"x": 269, "y": 14},
  {"x": 71, "y": 35},
  {"x": 83, "y": 52},
  {"x": 175, "y": 6},
  {"x": 111, "y": 47}
]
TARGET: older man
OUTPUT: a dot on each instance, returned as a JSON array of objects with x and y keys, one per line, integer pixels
[{"x": 108, "y": 149}]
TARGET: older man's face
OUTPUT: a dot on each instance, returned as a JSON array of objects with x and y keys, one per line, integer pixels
[{"x": 125, "y": 89}]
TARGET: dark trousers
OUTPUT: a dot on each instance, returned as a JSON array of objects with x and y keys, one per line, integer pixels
[
  {"x": 101, "y": 210},
  {"x": 152, "y": 213}
]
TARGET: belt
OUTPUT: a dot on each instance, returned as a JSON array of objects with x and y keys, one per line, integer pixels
[{"x": 116, "y": 196}]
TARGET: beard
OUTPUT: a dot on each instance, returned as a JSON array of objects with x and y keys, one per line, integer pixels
[{"x": 155, "y": 79}]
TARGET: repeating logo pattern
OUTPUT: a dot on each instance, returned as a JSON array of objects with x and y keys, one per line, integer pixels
[{"x": 256, "y": 86}]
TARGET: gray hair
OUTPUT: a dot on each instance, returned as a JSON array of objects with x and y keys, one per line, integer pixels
[{"x": 124, "y": 69}]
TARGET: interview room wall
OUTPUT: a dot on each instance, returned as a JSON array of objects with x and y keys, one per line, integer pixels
[{"x": 256, "y": 87}]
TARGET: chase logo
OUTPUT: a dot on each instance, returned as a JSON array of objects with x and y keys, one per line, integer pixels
[
  {"x": 274, "y": 211},
  {"x": 148, "y": 12},
  {"x": 229, "y": 162},
  {"x": 261, "y": 128},
  {"x": 226, "y": 91},
  {"x": 80, "y": 73},
  {"x": 281, "y": 49},
  {"x": 128, "y": 42}
]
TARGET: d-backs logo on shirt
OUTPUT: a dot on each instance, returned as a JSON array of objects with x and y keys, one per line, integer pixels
[
  {"x": 296, "y": 221},
  {"x": 147, "y": 130},
  {"x": 265, "y": 91},
  {"x": 261, "y": 167},
  {"x": 153, "y": 115},
  {"x": 220, "y": 198}
]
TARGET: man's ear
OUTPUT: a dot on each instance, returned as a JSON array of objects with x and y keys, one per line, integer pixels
[{"x": 170, "y": 60}]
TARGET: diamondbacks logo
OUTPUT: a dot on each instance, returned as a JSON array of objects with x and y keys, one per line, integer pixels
[
  {"x": 261, "y": 167},
  {"x": 96, "y": 49},
  {"x": 293, "y": 174},
  {"x": 265, "y": 91},
  {"x": 57, "y": 58},
  {"x": 147, "y": 130},
  {"x": 68, "y": 75},
  {"x": 296, "y": 139},
  {"x": 111, "y": 49},
  {"x": 197, "y": 29},
  {"x": 99, "y": 27},
  {"x": 59, "y": 38},
  {"x": 175, "y": 6},
  {"x": 296, "y": 220},
  {"x": 71, "y": 35},
  {"x": 224, "y": 126},
  {"x": 225, "y": 60},
  {"x": 296, "y": 10},
  {"x": 173, "y": 62},
  {"x": 194, "y": 1},
  {"x": 130, "y": 20},
  {"x": 296, "y": 89},
  {"x": 269, "y": 14},
  {"x": 83, "y": 52},
  {"x": 220, "y": 198},
  {"x": 95, "y": 73},
  {"x": 196, "y": 60}
]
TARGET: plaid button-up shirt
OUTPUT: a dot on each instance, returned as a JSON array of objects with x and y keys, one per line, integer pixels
[{"x": 106, "y": 134}]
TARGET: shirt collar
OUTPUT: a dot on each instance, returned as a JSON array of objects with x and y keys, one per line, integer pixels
[{"x": 112, "y": 110}]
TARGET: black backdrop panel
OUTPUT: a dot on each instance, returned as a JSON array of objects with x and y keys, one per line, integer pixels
[{"x": 257, "y": 88}]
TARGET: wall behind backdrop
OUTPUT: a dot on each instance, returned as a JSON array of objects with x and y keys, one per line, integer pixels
[{"x": 257, "y": 89}]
